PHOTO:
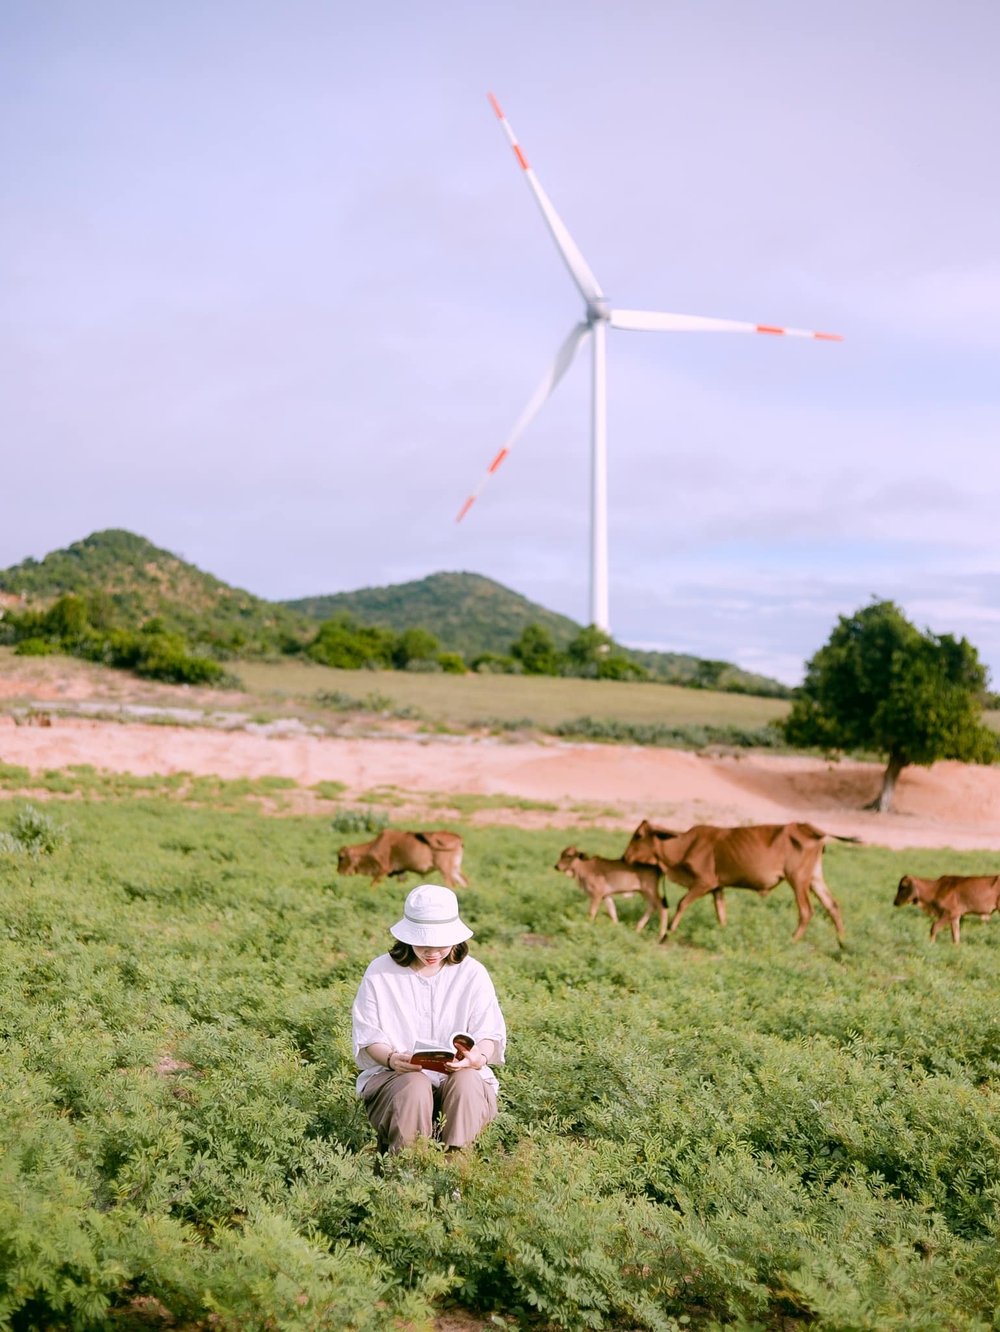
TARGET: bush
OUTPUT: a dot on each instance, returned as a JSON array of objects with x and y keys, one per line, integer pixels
[
  {"x": 536, "y": 651},
  {"x": 359, "y": 821},
  {"x": 34, "y": 647},
  {"x": 349, "y": 646},
  {"x": 452, "y": 663},
  {"x": 490, "y": 663},
  {"x": 414, "y": 644},
  {"x": 33, "y": 834}
]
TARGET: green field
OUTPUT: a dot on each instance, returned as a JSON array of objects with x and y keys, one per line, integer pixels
[
  {"x": 547, "y": 701},
  {"x": 730, "y": 1129}
]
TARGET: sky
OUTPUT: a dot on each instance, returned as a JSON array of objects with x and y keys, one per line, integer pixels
[{"x": 273, "y": 292}]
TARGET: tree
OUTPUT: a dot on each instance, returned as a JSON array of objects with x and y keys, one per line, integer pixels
[
  {"x": 414, "y": 644},
  {"x": 879, "y": 683},
  {"x": 344, "y": 643},
  {"x": 536, "y": 651},
  {"x": 595, "y": 654}
]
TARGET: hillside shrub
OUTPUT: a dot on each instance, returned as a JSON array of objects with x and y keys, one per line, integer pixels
[
  {"x": 491, "y": 663},
  {"x": 66, "y": 626},
  {"x": 452, "y": 663},
  {"x": 535, "y": 649},
  {"x": 33, "y": 647},
  {"x": 349, "y": 646}
]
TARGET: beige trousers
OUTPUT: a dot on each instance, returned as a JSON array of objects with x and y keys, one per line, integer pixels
[{"x": 404, "y": 1106}]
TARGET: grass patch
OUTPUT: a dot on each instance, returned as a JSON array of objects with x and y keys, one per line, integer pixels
[
  {"x": 732, "y": 1129},
  {"x": 471, "y": 804},
  {"x": 329, "y": 790}
]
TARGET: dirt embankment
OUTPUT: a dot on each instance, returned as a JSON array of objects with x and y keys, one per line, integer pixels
[{"x": 947, "y": 805}]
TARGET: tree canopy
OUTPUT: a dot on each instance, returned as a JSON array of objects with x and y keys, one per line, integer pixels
[{"x": 880, "y": 683}]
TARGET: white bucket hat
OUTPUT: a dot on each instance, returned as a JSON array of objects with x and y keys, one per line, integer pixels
[{"x": 430, "y": 918}]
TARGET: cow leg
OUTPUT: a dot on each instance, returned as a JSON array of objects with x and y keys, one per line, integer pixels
[
  {"x": 663, "y": 922},
  {"x": 937, "y": 927},
  {"x": 828, "y": 901},
  {"x": 801, "y": 891},
  {"x": 644, "y": 921},
  {"x": 719, "y": 898},
  {"x": 595, "y": 903},
  {"x": 956, "y": 930},
  {"x": 377, "y": 879},
  {"x": 690, "y": 896},
  {"x": 611, "y": 908}
]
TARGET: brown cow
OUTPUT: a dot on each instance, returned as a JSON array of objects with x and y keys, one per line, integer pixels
[
  {"x": 950, "y": 898},
  {"x": 601, "y": 878},
  {"x": 706, "y": 859},
  {"x": 397, "y": 853}
]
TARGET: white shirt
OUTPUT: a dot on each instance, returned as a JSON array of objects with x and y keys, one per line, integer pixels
[{"x": 400, "y": 1006}]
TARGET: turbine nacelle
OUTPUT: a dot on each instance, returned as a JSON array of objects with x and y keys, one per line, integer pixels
[{"x": 598, "y": 311}]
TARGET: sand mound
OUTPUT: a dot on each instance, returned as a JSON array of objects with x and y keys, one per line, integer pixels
[{"x": 947, "y": 805}]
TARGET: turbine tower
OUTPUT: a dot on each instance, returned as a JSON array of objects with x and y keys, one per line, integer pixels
[{"x": 597, "y": 317}]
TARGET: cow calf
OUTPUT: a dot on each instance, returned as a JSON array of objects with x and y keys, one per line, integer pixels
[
  {"x": 950, "y": 898},
  {"x": 396, "y": 853},
  {"x": 600, "y": 879}
]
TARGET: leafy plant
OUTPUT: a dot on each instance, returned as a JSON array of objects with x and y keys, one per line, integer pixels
[
  {"x": 33, "y": 834},
  {"x": 359, "y": 821}
]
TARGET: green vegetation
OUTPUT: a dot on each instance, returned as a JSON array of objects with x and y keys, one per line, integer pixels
[
  {"x": 358, "y": 821},
  {"x": 880, "y": 684},
  {"x": 537, "y": 700},
  {"x": 480, "y": 619},
  {"x": 68, "y": 626},
  {"x": 671, "y": 737},
  {"x": 729, "y": 1130},
  {"x": 125, "y": 583},
  {"x": 468, "y": 613}
]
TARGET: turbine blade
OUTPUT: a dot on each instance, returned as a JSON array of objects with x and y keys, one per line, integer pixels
[
  {"x": 579, "y": 269},
  {"x": 651, "y": 321},
  {"x": 555, "y": 372}
]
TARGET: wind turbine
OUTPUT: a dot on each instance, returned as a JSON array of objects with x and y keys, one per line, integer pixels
[{"x": 598, "y": 316}]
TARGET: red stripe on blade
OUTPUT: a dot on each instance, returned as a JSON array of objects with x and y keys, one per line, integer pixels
[
  {"x": 830, "y": 337},
  {"x": 495, "y": 105},
  {"x": 766, "y": 328},
  {"x": 465, "y": 508},
  {"x": 498, "y": 460},
  {"x": 520, "y": 156}
]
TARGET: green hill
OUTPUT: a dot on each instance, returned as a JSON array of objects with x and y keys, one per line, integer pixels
[
  {"x": 128, "y": 582},
  {"x": 465, "y": 611},
  {"x": 133, "y": 581},
  {"x": 471, "y": 614}
]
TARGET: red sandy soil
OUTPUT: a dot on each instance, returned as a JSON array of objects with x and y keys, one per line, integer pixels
[{"x": 950, "y": 804}]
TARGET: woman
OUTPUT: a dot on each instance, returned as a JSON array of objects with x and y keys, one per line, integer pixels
[{"x": 427, "y": 988}]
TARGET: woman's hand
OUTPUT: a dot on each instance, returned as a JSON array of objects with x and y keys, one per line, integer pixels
[
  {"x": 474, "y": 1059},
  {"x": 400, "y": 1061}
]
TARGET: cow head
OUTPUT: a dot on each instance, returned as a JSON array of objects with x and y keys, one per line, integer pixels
[
  {"x": 568, "y": 859},
  {"x": 348, "y": 859},
  {"x": 645, "y": 843},
  {"x": 906, "y": 892}
]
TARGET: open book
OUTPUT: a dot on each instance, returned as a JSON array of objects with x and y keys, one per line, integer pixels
[{"x": 435, "y": 1056}]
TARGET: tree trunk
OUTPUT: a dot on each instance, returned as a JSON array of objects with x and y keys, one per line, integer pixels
[{"x": 883, "y": 801}]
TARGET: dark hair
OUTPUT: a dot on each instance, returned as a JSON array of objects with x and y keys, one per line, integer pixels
[{"x": 404, "y": 956}]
